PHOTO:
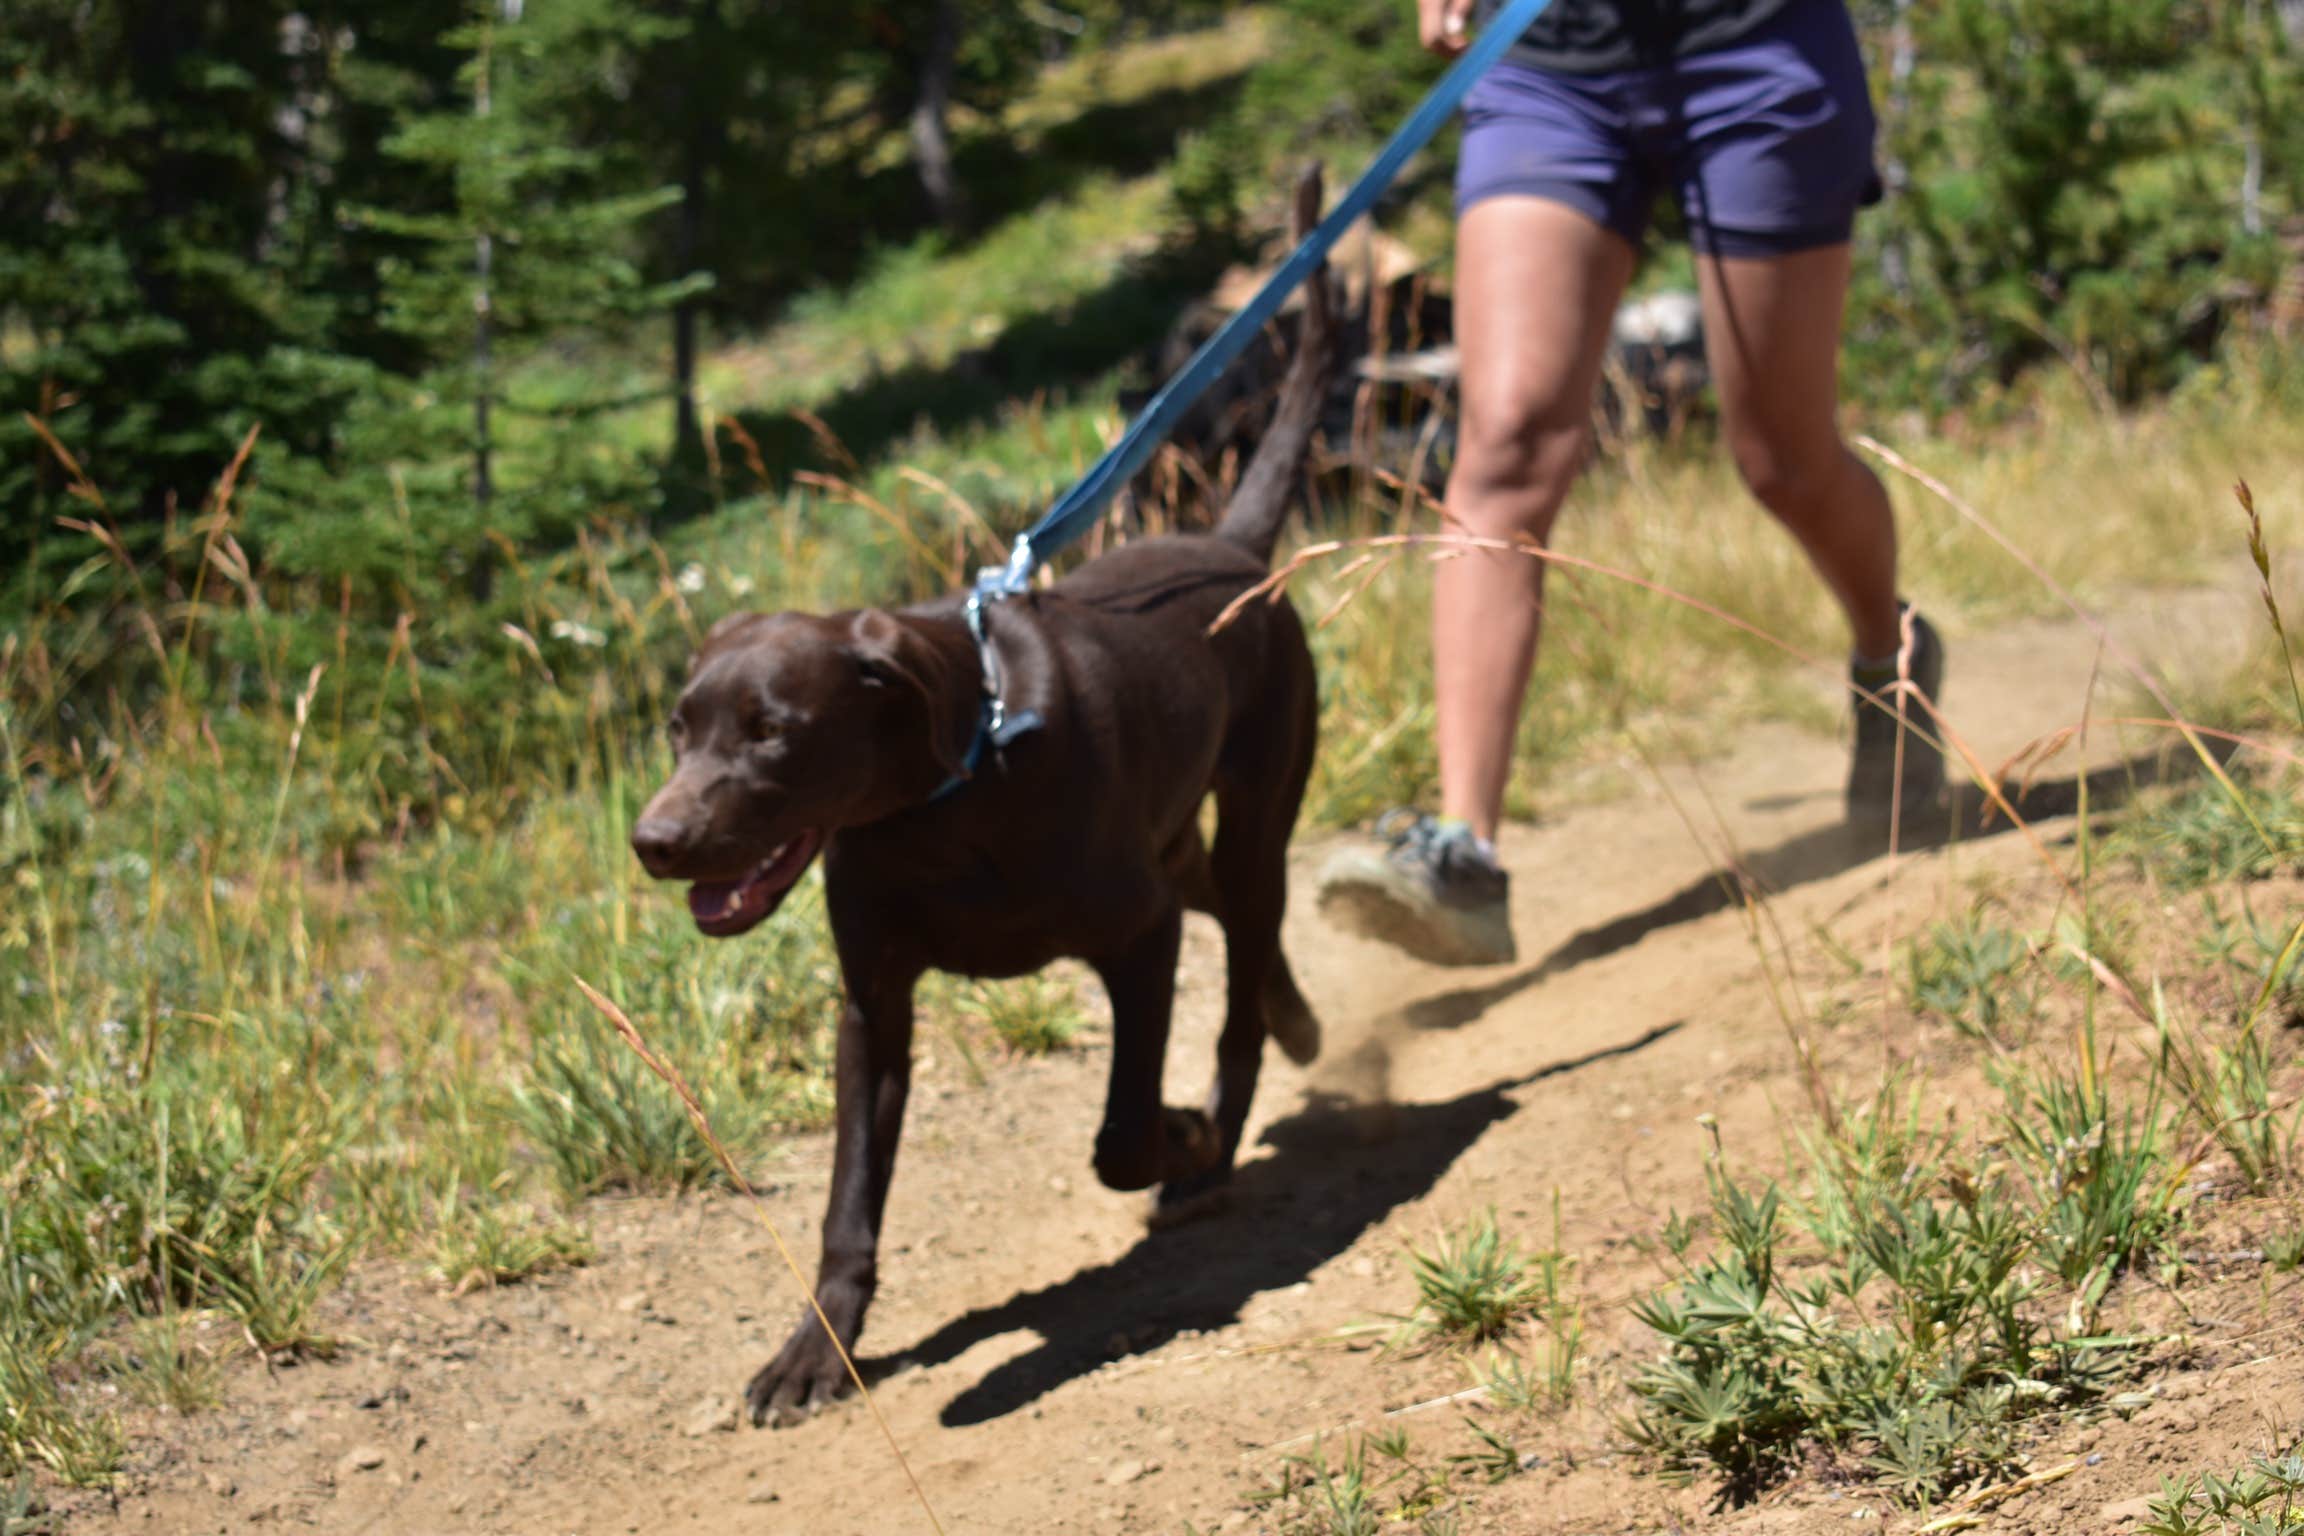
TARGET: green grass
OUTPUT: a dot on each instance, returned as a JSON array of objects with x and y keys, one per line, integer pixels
[
  {"x": 1476, "y": 1287},
  {"x": 1371, "y": 1483},
  {"x": 1473, "y": 1285},
  {"x": 2232, "y": 1093},
  {"x": 43, "y": 1422},
  {"x": 481, "y": 1244},
  {"x": 1031, "y": 1016}
]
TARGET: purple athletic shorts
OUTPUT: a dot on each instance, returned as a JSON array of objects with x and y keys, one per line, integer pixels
[{"x": 1767, "y": 143}]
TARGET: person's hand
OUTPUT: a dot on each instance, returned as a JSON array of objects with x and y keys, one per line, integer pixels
[{"x": 1445, "y": 26}]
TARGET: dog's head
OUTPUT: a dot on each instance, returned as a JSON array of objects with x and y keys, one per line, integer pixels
[{"x": 792, "y": 726}]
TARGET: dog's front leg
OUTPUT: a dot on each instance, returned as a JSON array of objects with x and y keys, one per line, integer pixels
[{"x": 872, "y": 1074}]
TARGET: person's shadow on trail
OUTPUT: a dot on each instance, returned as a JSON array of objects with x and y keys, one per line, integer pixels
[
  {"x": 1970, "y": 815},
  {"x": 1328, "y": 1182}
]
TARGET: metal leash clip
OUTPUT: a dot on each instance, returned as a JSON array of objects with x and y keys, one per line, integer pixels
[{"x": 995, "y": 727}]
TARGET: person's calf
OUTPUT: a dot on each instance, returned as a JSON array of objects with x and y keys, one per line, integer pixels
[{"x": 1840, "y": 516}]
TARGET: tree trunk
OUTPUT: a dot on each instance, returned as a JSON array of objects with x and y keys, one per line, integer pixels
[
  {"x": 483, "y": 580},
  {"x": 687, "y": 432},
  {"x": 1896, "y": 176},
  {"x": 703, "y": 141},
  {"x": 931, "y": 132}
]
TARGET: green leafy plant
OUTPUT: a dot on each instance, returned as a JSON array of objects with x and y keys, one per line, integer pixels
[
  {"x": 1909, "y": 1338},
  {"x": 2263, "y": 1498},
  {"x": 1969, "y": 972},
  {"x": 2207, "y": 837},
  {"x": 1329, "y": 1500},
  {"x": 1375, "y": 1482}
]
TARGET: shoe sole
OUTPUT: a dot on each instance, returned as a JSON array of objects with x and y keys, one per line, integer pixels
[{"x": 1457, "y": 938}]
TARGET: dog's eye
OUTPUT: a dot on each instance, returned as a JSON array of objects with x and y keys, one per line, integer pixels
[
  {"x": 676, "y": 731},
  {"x": 760, "y": 729}
]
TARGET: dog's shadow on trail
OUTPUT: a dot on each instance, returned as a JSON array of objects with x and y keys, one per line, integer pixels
[
  {"x": 1817, "y": 855},
  {"x": 1328, "y": 1181}
]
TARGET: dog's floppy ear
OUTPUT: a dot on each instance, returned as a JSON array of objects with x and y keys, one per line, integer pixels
[{"x": 891, "y": 654}]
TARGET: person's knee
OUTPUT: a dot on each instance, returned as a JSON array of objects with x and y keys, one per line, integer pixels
[
  {"x": 1514, "y": 467},
  {"x": 1787, "y": 475}
]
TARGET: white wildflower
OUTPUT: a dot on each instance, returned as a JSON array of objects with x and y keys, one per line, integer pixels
[
  {"x": 690, "y": 579},
  {"x": 578, "y": 634}
]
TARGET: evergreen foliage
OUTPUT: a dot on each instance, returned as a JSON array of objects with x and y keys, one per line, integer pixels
[
  {"x": 171, "y": 268},
  {"x": 2076, "y": 195},
  {"x": 271, "y": 217},
  {"x": 532, "y": 241}
]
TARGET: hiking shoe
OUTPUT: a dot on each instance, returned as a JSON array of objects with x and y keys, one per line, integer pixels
[
  {"x": 1431, "y": 889},
  {"x": 1875, "y": 797}
]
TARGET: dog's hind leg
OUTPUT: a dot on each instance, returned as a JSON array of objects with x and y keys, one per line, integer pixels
[
  {"x": 1287, "y": 1017},
  {"x": 1186, "y": 865},
  {"x": 1142, "y": 1141},
  {"x": 1259, "y": 785},
  {"x": 1250, "y": 868}
]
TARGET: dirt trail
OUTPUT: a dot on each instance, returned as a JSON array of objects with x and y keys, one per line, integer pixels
[{"x": 1051, "y": 1367}]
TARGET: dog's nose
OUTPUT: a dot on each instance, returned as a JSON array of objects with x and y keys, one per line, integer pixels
[{"x": 658, "y": 840}]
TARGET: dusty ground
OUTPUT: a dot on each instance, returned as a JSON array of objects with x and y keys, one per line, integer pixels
[{"x": 1048, "y": 1366}]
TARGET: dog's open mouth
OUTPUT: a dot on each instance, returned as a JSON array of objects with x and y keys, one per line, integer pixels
[{"x": 724, "y": 908}]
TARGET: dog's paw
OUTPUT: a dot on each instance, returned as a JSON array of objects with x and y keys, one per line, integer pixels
[
  {"x": 1187, "y": 1200},
  {"x": 1190, "y": 1144},
  {"x": 1288, "y": 1019},
  {"x": 806, "y": 1377},
  {"x": 1293, "y": 1027}
]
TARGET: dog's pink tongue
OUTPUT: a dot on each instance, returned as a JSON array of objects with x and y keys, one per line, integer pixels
[{"x": 710, "y": 900}]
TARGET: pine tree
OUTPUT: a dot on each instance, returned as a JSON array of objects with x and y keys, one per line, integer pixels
[
  {"x": 2075, "y": 198},
  {"x": 536, "y": 242},
  {"x": 156, "y": 256}
]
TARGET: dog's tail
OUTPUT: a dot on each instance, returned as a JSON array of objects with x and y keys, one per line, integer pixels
[{"x": 1260, "y": 504}]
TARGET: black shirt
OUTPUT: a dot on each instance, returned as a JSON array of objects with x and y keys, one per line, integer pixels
[{"x": 1591, "y": 36}]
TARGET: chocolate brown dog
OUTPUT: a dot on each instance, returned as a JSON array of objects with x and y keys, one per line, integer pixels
[{"x": 843, "y": 734}]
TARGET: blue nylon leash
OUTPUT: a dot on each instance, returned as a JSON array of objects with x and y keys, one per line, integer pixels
[{"x": 1079, "y": 507}]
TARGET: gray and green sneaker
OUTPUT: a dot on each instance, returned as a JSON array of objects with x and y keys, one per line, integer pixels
[
  {"x": 1874, "y": 791},
  {"x": 1426, "y": 886}
]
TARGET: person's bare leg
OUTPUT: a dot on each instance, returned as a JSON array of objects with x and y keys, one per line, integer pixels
[
  {"x": 1772, "y": 333},
  {"x": 1537, "y": 285}
]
